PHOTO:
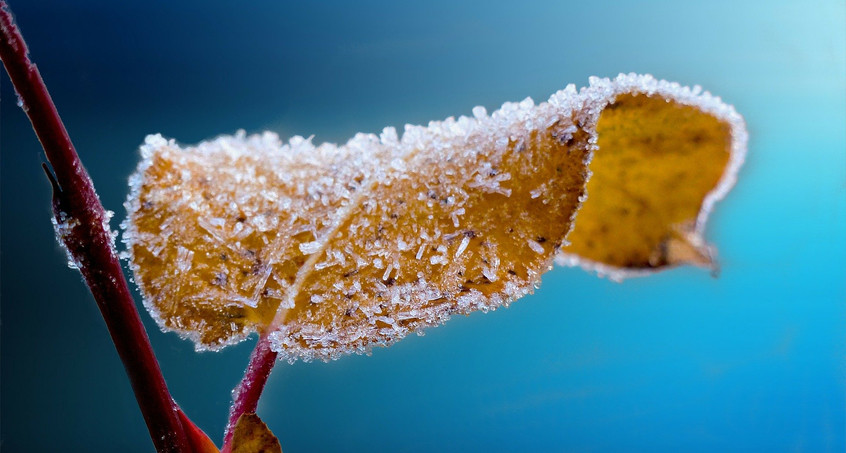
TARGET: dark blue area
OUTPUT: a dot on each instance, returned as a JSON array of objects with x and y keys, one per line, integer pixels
[{"x": 751, "y": 361}]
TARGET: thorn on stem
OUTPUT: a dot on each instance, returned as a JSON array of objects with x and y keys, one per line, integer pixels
[
  {"x": 55, "y": 184},
  {"x": 58, "y": 198}
]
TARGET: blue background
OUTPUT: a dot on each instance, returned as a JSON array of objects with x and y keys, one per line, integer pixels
[{"x": 750, "y": 361}]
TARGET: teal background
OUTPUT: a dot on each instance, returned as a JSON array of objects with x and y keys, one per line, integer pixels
[{"x": 750, "y": 361}]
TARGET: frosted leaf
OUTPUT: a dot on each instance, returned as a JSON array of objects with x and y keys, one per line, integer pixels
[
  {"x": 451, "y": 169},
  {"x": 407, "y": 226},
  {"x": 334, "y": 249},
  {"x": 227, "y": 212}
]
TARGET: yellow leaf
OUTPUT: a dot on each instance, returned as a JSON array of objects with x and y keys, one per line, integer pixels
[
  {"x": 334, "y": 249},
  {"x": 251, "y": 435},
  {"x": 665, "y": 155}
]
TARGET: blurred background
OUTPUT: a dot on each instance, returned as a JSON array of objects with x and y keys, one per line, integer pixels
[{"x": 750, "y": 361}]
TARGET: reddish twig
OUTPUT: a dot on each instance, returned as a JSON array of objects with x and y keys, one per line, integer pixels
[
  {"x": 83, "y": 227},
  {"x": 246, "y": 395}
]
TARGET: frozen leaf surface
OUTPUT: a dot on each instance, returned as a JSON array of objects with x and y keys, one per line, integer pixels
[
  {"x": 218, "y": 232},
  {"x": 334, "y": 249},
  {"x": 457, "y": 227}
]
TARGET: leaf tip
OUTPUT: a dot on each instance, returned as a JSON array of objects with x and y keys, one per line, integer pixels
[{"x": 253, "y": 436}]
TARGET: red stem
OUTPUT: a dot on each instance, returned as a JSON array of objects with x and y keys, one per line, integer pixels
[
  {"x": 246, "y": 395},
  {"x": 89, "y": 242}
]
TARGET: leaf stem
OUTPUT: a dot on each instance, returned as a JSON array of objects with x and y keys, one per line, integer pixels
[
  {"x": 246, "y": 395},
  {"x": 83, "y": 227}
]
